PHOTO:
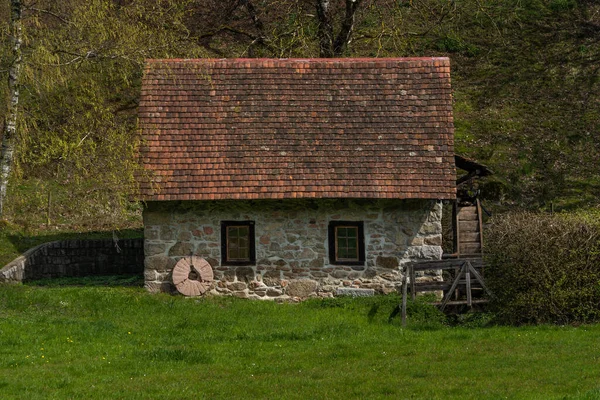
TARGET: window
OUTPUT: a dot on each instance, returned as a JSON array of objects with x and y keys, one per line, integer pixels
[
  {"x": 237, "y": 243},
  {"x": 346, "y": 243}
]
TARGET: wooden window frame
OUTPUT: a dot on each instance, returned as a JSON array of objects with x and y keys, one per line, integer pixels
[
  {"x": 332, "y": 239},
  {"x": 225, "y": 240}
]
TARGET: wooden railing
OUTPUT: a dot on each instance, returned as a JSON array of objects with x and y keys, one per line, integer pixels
[{"x": 460, "y": 276}]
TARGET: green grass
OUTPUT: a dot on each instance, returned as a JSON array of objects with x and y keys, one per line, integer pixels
[{"x": 99, "y": 342}]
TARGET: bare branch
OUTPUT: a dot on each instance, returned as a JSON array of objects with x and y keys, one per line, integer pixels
[
  {"x": 42, "y": 11},
  {"x": 253, "y": 15}
]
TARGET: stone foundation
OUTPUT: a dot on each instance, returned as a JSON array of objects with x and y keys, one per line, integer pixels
[{"x": 291, "y": 244}]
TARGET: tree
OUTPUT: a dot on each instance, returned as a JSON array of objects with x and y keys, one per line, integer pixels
[
  {"x": 83, "y": 62},
  {"x": 10, "y": 121},
  {"x": 275, "y": 28},
  {"x": 331, "y": 45}
]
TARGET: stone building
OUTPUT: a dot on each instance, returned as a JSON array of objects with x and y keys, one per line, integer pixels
[{"x": 295, "y": 178}]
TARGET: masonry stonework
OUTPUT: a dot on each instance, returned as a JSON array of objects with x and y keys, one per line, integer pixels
[
  {"x": 291, "y": 244},
  {"x": 84, "y": 257}
]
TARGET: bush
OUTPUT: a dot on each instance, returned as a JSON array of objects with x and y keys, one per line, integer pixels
[{"x": 545, "y": 268}]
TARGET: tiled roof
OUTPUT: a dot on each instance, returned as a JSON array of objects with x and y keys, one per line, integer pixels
[{"x": 291, "y": 128}]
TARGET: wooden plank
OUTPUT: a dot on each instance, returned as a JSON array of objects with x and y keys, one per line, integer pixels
[
  {"x": 470, "y": 248},
  {"x": 467, "y": 214},
  {"x": 455, "y": 228},
  {"x": 446, "y": 285},
  {"x": 476, "y": 262},
  {"x": 453, "y": 287},
  {"x": 413, "y": 294},
  {"x": 431, "y": 287},
  {"x": 474, "y": 256},
  {"x": 472, "y": 237},
  {"x": 404, "y": 288},
  {"x": 468, "y": 284},
  {"x": 448, "y": 256},
  {"x": 474, "y": 283},
  {"x": 480, "y": 224},
  {"x": 468, "y": 226},
  {"x": 437, "y": 264},
  {"x": 461, "y": 302},
  {"x": 448, "y": 263}
]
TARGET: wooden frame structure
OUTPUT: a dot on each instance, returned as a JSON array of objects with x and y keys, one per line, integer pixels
[
  {"x": 462, "y": 276},
  {"x": 462, "y": 271}
]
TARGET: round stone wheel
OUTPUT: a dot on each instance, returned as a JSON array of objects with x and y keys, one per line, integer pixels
[{"x": 192, "y": 286}]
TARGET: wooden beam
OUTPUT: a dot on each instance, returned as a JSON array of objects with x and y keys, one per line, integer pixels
[
  {"x": 480, "y": 280},
  {"x": 413, "y": 293},
  {"x": 468, "y": 279},
  {"x": 404, "y": 295},
  {"x": 467, "y": 177},
  {"x": 480, "y": 225},
  {"x": 446, "y": 264},
  {"x": 453, "y": 287}
]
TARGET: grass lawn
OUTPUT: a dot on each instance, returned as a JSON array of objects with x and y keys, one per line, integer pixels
[{"x": 120, "y": 342}]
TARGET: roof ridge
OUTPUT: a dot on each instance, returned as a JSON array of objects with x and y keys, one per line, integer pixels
[{"x": 309, "y": 60}]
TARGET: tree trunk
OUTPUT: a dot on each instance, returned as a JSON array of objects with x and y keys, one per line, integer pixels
[
  {"x": 10, "y": 123},
  {"x": 343, "y": 38},
  {"x": 325, "y": 28},
  {"x": 330, "y": 46}
]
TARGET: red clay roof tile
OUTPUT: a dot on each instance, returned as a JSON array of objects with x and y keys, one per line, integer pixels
[{"x": 266, "y": 129}]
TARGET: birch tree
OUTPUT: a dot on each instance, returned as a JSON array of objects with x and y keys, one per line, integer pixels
[{"x": 10, "y": 121}]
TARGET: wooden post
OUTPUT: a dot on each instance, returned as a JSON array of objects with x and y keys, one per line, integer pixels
[
  {"x": 468, "y": 282},
  {"x": 455, "y": 228},
  {"x": 413, "y": 295},
  {"x": 404, "y": 295},
  {"x": 480, "y": 220},
  {"x": 446, "y": 299}
]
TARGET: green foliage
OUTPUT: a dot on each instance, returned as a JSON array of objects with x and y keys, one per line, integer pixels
[
  {"x": 473, "y": 320},
  {"x": 80, "y": 87},
  {"x": 46, "y": 205},
  {"x": 562, "y": 5},
  {"x": 422, "y": 315},
  {"x": 452, "y": 44},
  {"x": 524, "y": 75},
  {"x": 545, "y": 268}
]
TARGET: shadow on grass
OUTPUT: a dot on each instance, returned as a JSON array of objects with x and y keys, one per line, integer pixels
[{"x": 130, "y": 280}]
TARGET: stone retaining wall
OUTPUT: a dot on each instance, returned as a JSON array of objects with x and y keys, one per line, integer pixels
[
  {"x": 291, "y": 244},
  {"x": 77, "y": 258}
]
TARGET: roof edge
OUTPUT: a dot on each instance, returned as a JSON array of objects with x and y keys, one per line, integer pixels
[{"x": 291, "y": 60}]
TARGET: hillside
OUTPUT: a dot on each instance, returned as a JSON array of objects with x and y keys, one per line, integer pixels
[{"x": 525, "y": 75}]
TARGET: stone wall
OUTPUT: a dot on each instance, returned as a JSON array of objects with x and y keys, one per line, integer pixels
[
  {"x": 291, "y": 244},
  {"x": 69, "y": 258}
]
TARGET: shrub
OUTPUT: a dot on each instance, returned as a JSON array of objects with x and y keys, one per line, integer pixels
[{"x": 545, "y": 268}]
